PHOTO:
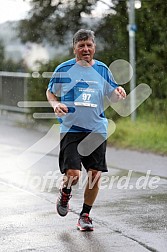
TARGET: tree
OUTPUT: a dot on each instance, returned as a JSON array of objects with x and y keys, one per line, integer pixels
[
  {"x": 113, "y": 35},
  {"x": 54, "y": 20},
  {"x": 152, "y": 47},
  {"x": 9, "y": 64}
]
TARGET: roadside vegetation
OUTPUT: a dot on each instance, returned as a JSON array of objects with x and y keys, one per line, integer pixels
[{"x": 145, "y": 134}]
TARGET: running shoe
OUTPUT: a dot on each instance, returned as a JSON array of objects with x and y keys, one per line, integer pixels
[
  {"x": 62, "y": 203},
  {"x": 85, "y": 223}
]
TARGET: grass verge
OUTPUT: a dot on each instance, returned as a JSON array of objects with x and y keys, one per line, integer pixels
[{"x": 143, "y": 134}]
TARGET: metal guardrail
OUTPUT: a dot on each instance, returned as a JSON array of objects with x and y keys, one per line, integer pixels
[{"x": 13, "y": 88}]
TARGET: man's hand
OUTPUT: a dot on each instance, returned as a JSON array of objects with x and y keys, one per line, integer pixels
[
  {"x": 118, "y": 94},
  {"x": 60, "y": 109}
]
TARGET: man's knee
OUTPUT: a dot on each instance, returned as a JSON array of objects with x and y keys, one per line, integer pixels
[{"x": 72, "y": 177}]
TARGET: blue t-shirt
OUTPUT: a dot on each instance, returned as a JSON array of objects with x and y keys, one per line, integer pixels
[{"x": 83, "y": 89}]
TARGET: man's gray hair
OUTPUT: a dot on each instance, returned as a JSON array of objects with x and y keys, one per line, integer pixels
[{"x": 83, "y": 34}]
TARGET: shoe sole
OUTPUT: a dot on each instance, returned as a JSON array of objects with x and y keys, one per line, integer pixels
[
  {"x": 62, "y": 215},
  {"x": 84, "y": 229}
]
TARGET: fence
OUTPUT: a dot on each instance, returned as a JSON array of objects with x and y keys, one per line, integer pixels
[{"x": 13, "y": 88}]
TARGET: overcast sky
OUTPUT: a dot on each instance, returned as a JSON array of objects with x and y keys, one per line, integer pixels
[{"x": 13, "y": 10}]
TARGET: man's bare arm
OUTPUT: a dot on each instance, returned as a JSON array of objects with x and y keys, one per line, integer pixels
[{"x": 59, "y": 108}]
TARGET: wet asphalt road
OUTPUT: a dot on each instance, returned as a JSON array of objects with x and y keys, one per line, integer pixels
[{"x": 129, "y": 213}]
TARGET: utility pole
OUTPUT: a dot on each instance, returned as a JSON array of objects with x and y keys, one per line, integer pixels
[{"x": 132, "y": 55}]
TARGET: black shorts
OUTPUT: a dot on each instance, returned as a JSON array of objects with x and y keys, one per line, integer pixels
[{"x": 69, "y": 157}]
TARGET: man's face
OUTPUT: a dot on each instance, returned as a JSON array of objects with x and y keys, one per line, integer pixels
[{"x": 84, "y": 50}]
